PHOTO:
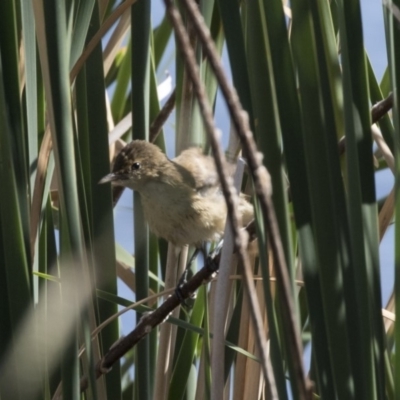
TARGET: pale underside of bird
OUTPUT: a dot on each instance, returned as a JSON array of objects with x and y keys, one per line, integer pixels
[{"x": 182, "y": 199}]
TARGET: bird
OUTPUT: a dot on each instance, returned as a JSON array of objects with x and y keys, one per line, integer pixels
[{"x": 182, "y": 198}]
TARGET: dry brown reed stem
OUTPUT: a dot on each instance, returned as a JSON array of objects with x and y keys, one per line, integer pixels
[
  {"x": 226, "y": 183},
  {"x": 108, "y": 23},
  {"x": 381, "y": 108},
  {"x": 162, "y": 116},
  {"x": 263, "y": 190},
  {"x": 378, "y": 110}
]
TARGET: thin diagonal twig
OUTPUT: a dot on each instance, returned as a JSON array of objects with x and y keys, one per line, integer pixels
[{"x": 162, "y": 116}]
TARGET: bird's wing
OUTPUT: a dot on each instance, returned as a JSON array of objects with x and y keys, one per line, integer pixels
[
  {"x": 202, "y": 169},
  {"x": 205, "y": 181}
]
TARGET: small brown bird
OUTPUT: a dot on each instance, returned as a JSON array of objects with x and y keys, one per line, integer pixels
[{"x": 182, "y": 199}]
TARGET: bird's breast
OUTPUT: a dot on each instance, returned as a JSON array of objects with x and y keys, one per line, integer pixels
[{"x": 183, "y": 216}]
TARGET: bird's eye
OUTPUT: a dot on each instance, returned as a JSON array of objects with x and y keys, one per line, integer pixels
[{"x": 135, "y": 166}]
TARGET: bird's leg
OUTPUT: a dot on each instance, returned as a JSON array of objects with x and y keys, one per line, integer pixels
[
  {"x": 201, "y": 249},
  {"x": 184, "y": 278},
  {"x": 187, "y": 273},
  {"x": 217, "y": 249}
]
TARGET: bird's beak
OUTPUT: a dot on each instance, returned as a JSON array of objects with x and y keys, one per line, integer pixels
[{"x": 108, "y": 178}]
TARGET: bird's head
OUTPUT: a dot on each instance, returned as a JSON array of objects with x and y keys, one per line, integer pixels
[{"x": 136, "y": 164}]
